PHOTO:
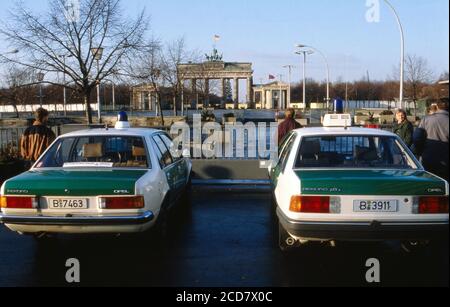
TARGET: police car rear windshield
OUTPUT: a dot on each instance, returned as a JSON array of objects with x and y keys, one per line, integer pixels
[
  {"x": 96, "y": 151},
  {"x": 353, "y": 152}
]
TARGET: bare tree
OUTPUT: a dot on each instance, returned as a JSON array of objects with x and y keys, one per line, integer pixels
[
  {"x": 175, "y": 53},
  {"x": 65, "y": 43},
  {"x": 146, "y": 67},
  {"x": 158, "y": 66},
  {"x": 17, "y": 92},
  {"x": 417, "y": 76}
]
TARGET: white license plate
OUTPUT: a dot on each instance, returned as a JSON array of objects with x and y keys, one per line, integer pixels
[
  {"x": 67, "y": 203},
  {"x": 375, "y": 206}
]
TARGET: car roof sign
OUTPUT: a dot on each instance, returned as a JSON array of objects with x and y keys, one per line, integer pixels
[{"x": 337, "y": 120}]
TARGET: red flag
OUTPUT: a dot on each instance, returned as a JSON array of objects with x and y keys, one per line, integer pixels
[{"x": 272, "y": 77}]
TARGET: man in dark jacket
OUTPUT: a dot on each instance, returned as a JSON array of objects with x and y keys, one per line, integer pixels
[
  {"x": 287, "y": 125},
  {"x": 403, "y": 128},
  {"x": 432, "y": 141},
  {"x": 36, "y": 138}
]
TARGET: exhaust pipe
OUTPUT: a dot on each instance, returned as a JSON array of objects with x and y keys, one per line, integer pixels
[{"x": 291, "y": 241}]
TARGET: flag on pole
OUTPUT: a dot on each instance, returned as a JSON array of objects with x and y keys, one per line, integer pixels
[
  {"x": 272, "y": 77},
  {"x": 216, "y": 38}
]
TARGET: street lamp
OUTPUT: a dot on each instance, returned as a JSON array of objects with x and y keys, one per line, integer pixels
[
  {"x": 64, "y": 82},
  {"x": 98, "y": 53},
  {"x": 304, "y": 53},
  {"x": 289, "y": 67},
  {"x": 328, "y": 69},
  {"x": 402, "y": 51},
  {"x": 40, "y": 77},
  {"x": 113, "y": 93}
]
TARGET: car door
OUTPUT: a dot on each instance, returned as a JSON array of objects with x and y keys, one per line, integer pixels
[
  {"x": 168, "y": 167},
  {"x": 282, "y": 157},
  {"x": 280, "y": 181},
  {"x": 180, "y": 164}
]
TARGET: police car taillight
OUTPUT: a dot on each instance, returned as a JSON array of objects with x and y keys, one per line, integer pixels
[
  {"x": 431, "y": 205},
  {"x": 315, "y": 204},
  {"x": 124, "y": 203},
  {"x": 18, "y": 202}
]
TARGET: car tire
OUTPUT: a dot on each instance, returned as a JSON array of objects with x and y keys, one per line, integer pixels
[
  {"x": 161, "y": 228},
  {"x": 183, "y": 211},
  {"x": 411, "y": 247},
  {"x": 187, "y": 195},
  {"x": 44, "y": 239}
]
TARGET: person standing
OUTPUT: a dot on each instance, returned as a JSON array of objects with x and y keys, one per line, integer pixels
[
  {"x": 404, "y": 128},
  {"x": 432, "y": 139},
  {"x": 287, "y": 125},
  {"x": 36, "y": 138}
]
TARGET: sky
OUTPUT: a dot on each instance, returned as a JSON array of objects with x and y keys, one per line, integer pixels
[{"x": 265, "y": 32}]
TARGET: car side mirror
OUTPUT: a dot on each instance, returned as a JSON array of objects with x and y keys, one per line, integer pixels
[
  {"x": 186, "y": 153},
  {"x": 268, "y": 164}
]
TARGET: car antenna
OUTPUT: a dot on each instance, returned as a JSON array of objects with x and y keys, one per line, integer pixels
[{"x": 106, "y": 127}]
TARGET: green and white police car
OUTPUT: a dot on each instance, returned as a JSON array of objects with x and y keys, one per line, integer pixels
[
  {"x": 340, "y": 182},
  {"x": 121, "y": 180}
]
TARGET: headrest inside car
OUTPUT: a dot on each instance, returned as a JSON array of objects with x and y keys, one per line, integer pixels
[
  {"x": 92, "y": 150},
  {"x": 365, "y": 154},
  {"x": 311, "y": 148},
  {"x": 138, "y": 151}
]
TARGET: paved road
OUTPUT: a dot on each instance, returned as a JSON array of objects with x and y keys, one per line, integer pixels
[{"x": 225, "y": 241}]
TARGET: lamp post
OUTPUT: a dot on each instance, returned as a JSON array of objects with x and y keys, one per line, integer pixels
[
  {"x": 113, "y": 93},
  {"x": 280, "y": 100},
  {"x": 40, "y": 77},
  {"x": 304, "y": 53},
  {"x": 328, "y": 69},
  {"x": 402, "y": 51},
  {"x": 98, "y": 53},
  {"x": 64, "y": 82},
  {"x": 289, "y": 67}
]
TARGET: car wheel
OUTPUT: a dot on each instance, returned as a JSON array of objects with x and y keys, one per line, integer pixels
[
  {"x": 44, "y": 239},
  {"x": 414, "y": 246},
  {"x": 285, "y": 242},
  {"x": 161, "y": 226},
  {"x": 182, "y": 211},
  {"x": 187, "y": 195},
  {"x": 159, "y": 232}
]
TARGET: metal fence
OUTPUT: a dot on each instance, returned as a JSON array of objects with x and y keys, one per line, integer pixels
[
  {"x": 230, "y": 149},
  {"x": 10, "y": 138}
]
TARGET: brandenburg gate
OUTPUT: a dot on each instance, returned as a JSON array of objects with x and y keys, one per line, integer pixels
[{"x": 216, "y": 69}]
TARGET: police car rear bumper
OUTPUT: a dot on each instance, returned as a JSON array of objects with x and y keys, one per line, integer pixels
[
  {"x": 364, "y": 231},
  {"x": 78, "y": 220}
]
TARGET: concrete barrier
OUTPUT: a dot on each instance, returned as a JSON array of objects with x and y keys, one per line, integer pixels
[{"x": 228, "y": 170}]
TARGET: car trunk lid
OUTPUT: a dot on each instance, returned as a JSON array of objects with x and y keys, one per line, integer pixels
[
  {"x": 69, "y": 183},
  {"x": 370, "y": 182}
]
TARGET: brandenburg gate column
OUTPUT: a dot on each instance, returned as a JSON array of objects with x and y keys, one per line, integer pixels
[
  {"x": 270, "y": 99},
  {"x": 236, "y": 93},
  {"x": 250, "y": 91},
  {"x": 194, "y": 92},
  {"x": 224, "y": 91},
  {"x": 263, "y": 98},
  {"x": 206, "y": 93}
]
